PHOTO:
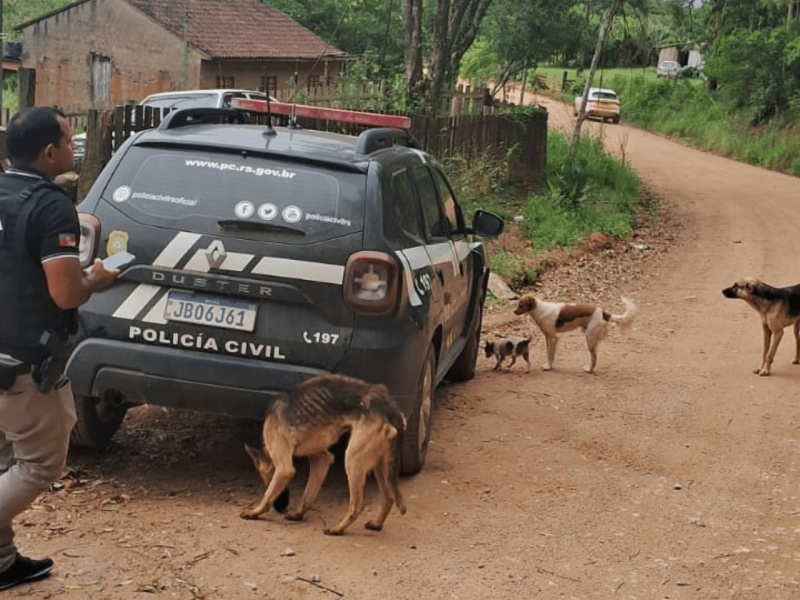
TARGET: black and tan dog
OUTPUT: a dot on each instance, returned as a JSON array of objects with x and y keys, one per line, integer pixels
[
  {"x": 778, "y": 308},
  {"x": 310, "y": 418},
  {"x": 515, "y": 347},
  {"x": 557, "y": 317}
]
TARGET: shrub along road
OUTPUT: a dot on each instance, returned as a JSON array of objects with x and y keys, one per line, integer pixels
[{"x": 670, "y": 473}]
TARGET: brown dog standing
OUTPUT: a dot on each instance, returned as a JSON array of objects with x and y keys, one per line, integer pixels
[
  {"x": 778, "y": 308},
  {"x": 309, "y": 419}
]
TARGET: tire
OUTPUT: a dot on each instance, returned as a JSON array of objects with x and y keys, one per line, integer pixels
[
  {"x": 615, "y": 119},
  {"x": 418, "y": 423},
  {"x": 98, "y": 419},
  {"x": 464, "y": 367}
]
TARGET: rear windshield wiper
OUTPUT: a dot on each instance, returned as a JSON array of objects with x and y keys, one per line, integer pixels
[{"x": 257, "y": 226}]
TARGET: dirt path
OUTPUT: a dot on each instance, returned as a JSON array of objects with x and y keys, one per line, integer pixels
[{"x": 670, "y": 473}]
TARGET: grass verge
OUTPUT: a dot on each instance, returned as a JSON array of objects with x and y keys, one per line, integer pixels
[{"x": 592, "y": 193}]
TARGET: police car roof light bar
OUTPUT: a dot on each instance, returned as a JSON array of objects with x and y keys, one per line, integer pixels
[{"x": 316, "y": 112}]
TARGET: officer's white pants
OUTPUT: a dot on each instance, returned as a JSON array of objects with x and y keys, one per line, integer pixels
[{"x": 34, "y": 438}]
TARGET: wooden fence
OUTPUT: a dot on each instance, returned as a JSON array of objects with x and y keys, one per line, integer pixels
[{"x": 464, "y": 136}]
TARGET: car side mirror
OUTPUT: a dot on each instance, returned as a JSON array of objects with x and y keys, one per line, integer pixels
[{"x": 486, "y": 224}]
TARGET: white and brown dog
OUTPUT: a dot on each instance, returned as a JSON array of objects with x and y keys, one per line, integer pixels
[{"x": 557, "y": 317}]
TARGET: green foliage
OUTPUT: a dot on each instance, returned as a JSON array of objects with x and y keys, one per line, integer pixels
[
  {"x": 569, "y": 185},
  {"x": 482, "y": 183},
  {"x": 686, "y": 109},
  {"x": 16, "y": 12},
  {"x": 754, "y": 70},
  {"x": 362, "y": 28},
  {"x": 604, "y": 193},
  {"x": 609, "y": 202}
]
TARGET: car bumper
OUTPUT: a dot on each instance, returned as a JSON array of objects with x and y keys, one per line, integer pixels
[{"x": 179, "y": 378}]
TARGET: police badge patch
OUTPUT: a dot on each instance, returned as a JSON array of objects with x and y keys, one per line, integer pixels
[{"x": 117, "y": 242}]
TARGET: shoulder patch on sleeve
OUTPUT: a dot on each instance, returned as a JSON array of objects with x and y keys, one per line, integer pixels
[{"x": 67, "y": 240}]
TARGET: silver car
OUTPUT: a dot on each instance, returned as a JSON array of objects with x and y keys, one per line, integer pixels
[{"x": 668, "y": 68}]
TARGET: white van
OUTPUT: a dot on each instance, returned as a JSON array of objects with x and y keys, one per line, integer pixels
[
  {"x": 200, "y": 98},
  {"x": 168, "y": 101}
]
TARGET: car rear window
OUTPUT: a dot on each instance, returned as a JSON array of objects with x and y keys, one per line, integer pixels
[
  {"x": 604, "y": 96},
  {"x": 202, "y": 190}
]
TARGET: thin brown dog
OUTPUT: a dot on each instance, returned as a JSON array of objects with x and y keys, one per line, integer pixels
[
  {"x": 557, "y": 317},
  {"x": 778, "y": 308},
  {"x": 310, "y": 418}
]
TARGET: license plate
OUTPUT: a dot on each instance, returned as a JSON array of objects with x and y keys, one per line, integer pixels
[{"x": 211, "y": 311}]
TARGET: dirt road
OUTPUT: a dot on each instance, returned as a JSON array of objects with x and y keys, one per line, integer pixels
[{"x": 670, "y": 473}]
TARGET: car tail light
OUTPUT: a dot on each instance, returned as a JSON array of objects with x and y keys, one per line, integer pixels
[
  {"x": 371, "y": 282},
  {"x": 90, "y": 238}
]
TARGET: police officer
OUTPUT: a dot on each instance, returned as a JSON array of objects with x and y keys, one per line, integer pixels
[{"x": 41, "y": 285}]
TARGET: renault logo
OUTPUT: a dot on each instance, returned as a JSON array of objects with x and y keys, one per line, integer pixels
[{"x": 215, "y": 254}]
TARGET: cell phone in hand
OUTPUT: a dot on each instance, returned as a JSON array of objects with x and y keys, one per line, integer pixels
[{"x": 119, "y": 260}]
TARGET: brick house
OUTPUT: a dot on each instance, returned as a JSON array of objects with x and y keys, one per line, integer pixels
[{"x": 102, "y": 53}]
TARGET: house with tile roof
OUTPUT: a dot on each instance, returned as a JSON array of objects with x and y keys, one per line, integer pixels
[{"x": 102, "y": 53}]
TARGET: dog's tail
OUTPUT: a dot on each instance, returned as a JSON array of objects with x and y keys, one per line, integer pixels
[{"x": 625, "y": 320}]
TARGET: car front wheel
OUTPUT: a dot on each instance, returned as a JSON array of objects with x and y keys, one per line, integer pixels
[
  {"x": 464, "y": 367},
  {"x": 97, "y": 420},
  {"x": 418, "y": 426}
]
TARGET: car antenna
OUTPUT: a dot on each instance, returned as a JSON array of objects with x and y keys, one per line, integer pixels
[{"x": 270, "y": 130}]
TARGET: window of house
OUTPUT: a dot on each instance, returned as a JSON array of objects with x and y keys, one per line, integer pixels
[
  {"x": 225, "y": 82},
  {"x": 314, "y": 81},
  {"x": 269, "y": 84},
  {"x": 101, "y": 80}
]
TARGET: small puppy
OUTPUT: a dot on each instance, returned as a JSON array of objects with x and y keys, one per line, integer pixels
[
  {"x": 778, "y": 308},
  {"x": 557, "y": 317},
  {"x": 505, "y": 347},
  {"x": 310, "y": 418}
]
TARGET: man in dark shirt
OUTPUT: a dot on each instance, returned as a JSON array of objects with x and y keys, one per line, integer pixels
[{"x": 41, "y": 285}]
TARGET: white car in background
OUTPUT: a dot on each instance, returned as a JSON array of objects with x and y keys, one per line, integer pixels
[
  {"x": 175, "y": 100},
  {"x": 602, "y": 103},
  {"x": 200, "y": 98},
  {"x": 668, "y": 68}
]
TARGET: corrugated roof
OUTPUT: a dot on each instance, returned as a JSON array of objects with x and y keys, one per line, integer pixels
[{"x": 237, "y": 29}]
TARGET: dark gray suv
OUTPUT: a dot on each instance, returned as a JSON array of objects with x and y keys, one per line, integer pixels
[{"x": 267, "y": 256}]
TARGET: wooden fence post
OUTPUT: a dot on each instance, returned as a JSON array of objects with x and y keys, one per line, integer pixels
[{"x": 97, "y": 149}]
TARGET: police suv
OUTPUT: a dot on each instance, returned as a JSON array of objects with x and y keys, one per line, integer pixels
[{"x": 265, "y": 256}]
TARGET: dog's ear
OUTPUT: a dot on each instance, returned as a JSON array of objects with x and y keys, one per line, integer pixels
[
  {"x": 488, "y": 348},
  {"x": 526, "y": 304},
  {"x": 254, "y": 453}
]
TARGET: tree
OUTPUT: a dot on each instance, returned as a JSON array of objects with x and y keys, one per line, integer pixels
[
  {"x": 517, "y": 36},
  {"x": 453, "y": 30},
  {"x": 608, "y": 19}
]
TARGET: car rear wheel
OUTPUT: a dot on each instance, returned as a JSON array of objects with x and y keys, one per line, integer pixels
[
  {"x": 418, "y": 426},
  {"x": 97, "y": 419}
]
